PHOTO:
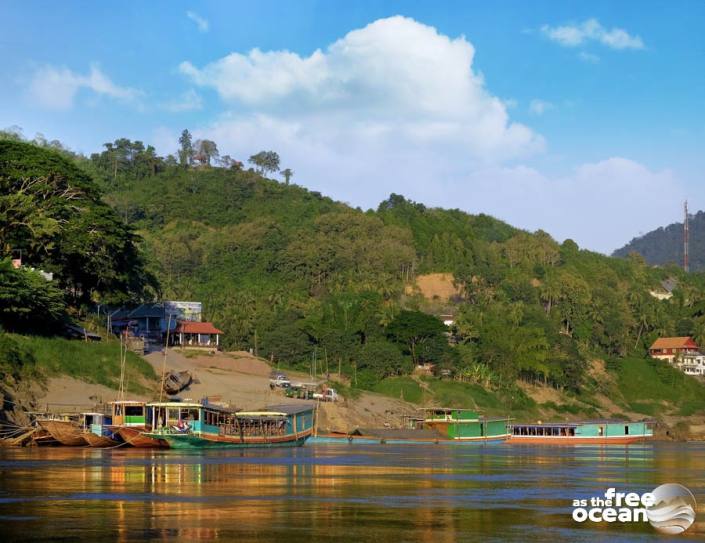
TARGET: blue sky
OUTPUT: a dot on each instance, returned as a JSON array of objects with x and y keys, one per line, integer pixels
[{"x": 586, "y": 119}]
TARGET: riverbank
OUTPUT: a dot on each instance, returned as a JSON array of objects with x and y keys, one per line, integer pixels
[{"x": 242, "y": 380}]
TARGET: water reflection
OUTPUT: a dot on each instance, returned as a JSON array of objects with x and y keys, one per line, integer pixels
[{"x": 375, "y": 493}]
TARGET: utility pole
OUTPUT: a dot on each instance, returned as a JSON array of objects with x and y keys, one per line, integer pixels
[{"x": 685, "y": 236}]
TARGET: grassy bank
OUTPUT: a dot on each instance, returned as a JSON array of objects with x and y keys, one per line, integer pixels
[
  {"x": 642, "y": 387},
  {"x": 653, "y": 388},
  {"x": 94, "y": 362},
  {"x": 446, "y": 393}
]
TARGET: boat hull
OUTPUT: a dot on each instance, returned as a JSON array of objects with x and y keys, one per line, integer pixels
[
  {"x": 570, "y": 440},
  {"x": 135, "y": 437},
  {"x": 100, "y": 442},
  {"x": 374, "y": 440},
  {"x": 42, "y": 438},
  {"x": 65, "y": 432},
  {"x": 205, "y": 441}
]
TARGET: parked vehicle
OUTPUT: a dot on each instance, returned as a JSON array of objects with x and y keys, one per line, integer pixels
[
  {"x": 280, "y": 381},
  {"x": 327, "y": 395}
]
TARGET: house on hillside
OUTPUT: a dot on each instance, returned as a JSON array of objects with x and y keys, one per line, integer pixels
[
  {"x": 196, "y": 335},
  {"x": 692, "y": 364},
  {"x": 673, "y": 349},
  {"x": 665, "y": 290},
  {"x": 152, "y": 321}
]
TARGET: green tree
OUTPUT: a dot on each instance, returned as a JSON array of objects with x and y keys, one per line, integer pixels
[
  {"x": 416, "y": 332},
  {"x": 288, "y": 173},
  {"x": 28, "y": 302},
  {"x": 186, "y": 151},
  {"x": 265, "y": 161}
]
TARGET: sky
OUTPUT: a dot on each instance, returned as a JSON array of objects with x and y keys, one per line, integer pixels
[{"x": 584, "y": 119}]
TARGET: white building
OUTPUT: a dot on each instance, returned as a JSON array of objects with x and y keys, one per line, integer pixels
[{"x": 691, "y": 364}]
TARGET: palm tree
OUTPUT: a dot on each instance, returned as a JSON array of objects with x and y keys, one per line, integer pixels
[{"x": 288, "y": 174}]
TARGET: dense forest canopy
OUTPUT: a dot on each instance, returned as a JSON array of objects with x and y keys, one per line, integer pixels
[
  {"x": 297, "y": 276},
  {"x": 52, "y": 216}
]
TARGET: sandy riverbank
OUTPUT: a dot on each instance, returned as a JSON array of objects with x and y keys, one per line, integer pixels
[{"x": 237, "y": 378}]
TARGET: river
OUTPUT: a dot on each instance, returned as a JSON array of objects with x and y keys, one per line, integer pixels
[{"x": 381, "y": 493}]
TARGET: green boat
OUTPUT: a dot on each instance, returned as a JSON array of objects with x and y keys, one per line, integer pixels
[
  {"x": 191, "y": 425},
  {"x": 436, "y": 425}
]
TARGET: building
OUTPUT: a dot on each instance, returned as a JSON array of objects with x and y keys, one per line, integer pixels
[
  {"x": 692, "y": 364},
  {"x": 199, "y": 335},
  {"x": 673, "y": 348}
]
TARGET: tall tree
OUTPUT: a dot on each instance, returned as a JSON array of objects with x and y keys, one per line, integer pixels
[
  {"x": 265, "y": 161},
  {"x": 206, "y": 150},
  {"x": 288, "y": 173},
  {"x": 186, "y": 149}
]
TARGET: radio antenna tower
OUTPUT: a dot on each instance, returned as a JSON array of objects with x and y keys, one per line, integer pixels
[{"x": 685, "y": 236}]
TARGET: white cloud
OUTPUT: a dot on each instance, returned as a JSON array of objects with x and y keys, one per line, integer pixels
[
  {"x": 201, "y": 23},
  {"x": 56, "y": 87},
  {"x": 188, "y": 101},
  {"x": 592, "y": 30},
  {"x": 600, "y": 205},
  {"x": 539, "y": 107},
  {"x": 397, "y": 107},
  {"x": 588, "y": 57},
  {"x": 396, "y": 82}
]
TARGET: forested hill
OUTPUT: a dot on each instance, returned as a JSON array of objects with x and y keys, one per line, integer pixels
[
  {"x": 296, "y": 275},
  {"x": 665, "y": 245}
]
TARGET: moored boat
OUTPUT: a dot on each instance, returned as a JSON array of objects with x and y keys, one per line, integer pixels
[
  {"x": 66, "y": 432},
  {"x": 131, "y": 419},
  {"x": 190, "y": 425},
  {"x": 591, "y": 432},
  {"x": 97, "y": 431},
  {"x": 438, "y": 425},
  {"x": 136, "y": 437}
]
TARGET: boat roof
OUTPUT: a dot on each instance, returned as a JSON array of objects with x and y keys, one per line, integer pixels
[
  {"x": 576, "y": 423},
  {"x": 128, "y": 402},
  {"x": 444, "y": 409},
  {"x": 549, "y": 424},
  {"x": 174, "y": 404},
  {"x": 93, "y": 413},
  {"x": 290, "y": 408}
]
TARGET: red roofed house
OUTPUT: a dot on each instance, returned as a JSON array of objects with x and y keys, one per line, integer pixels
[
  {"x": 672, "y": 348},
  {"x": 191, "y": 334}
]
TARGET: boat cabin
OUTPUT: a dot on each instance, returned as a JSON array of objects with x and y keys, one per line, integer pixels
[
  {"x": 95, "y": 422},
  {"x": 456, "y": 423},
  {"x": 129, "y": 413},
  {"x": 214, "y": 419},
  {"x": 587, "y": 429}
]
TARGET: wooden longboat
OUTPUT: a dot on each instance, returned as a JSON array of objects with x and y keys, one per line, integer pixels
[
  {"x": 593, "y": 432},
  {"x": 130, "y": 419},
  {"x": 42, "y": 438},
  {"x": 437, "y": 426},
  {"x": 100, "y": 442},
  {"x": 97, "y": 430},
  {"x": 204, "y": 425},
  {"x": 136, "y": 437},
  {"x": 66, "y": 432}
]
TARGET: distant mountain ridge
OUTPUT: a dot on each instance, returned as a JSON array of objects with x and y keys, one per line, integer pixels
[{"x": 665, "y": 244}]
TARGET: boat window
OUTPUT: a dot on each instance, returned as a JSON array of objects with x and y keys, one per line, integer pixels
[
  {"x": 626, "y": 430},
  {"x": 189, "y": 414},
  {"x": 117, "y": 409},
  {"x": 134, "y": 411},
  {"x": 173, "y": 414}
]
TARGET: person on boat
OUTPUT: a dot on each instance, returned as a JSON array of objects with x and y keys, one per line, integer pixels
[{"x": 182, "y": 426}]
